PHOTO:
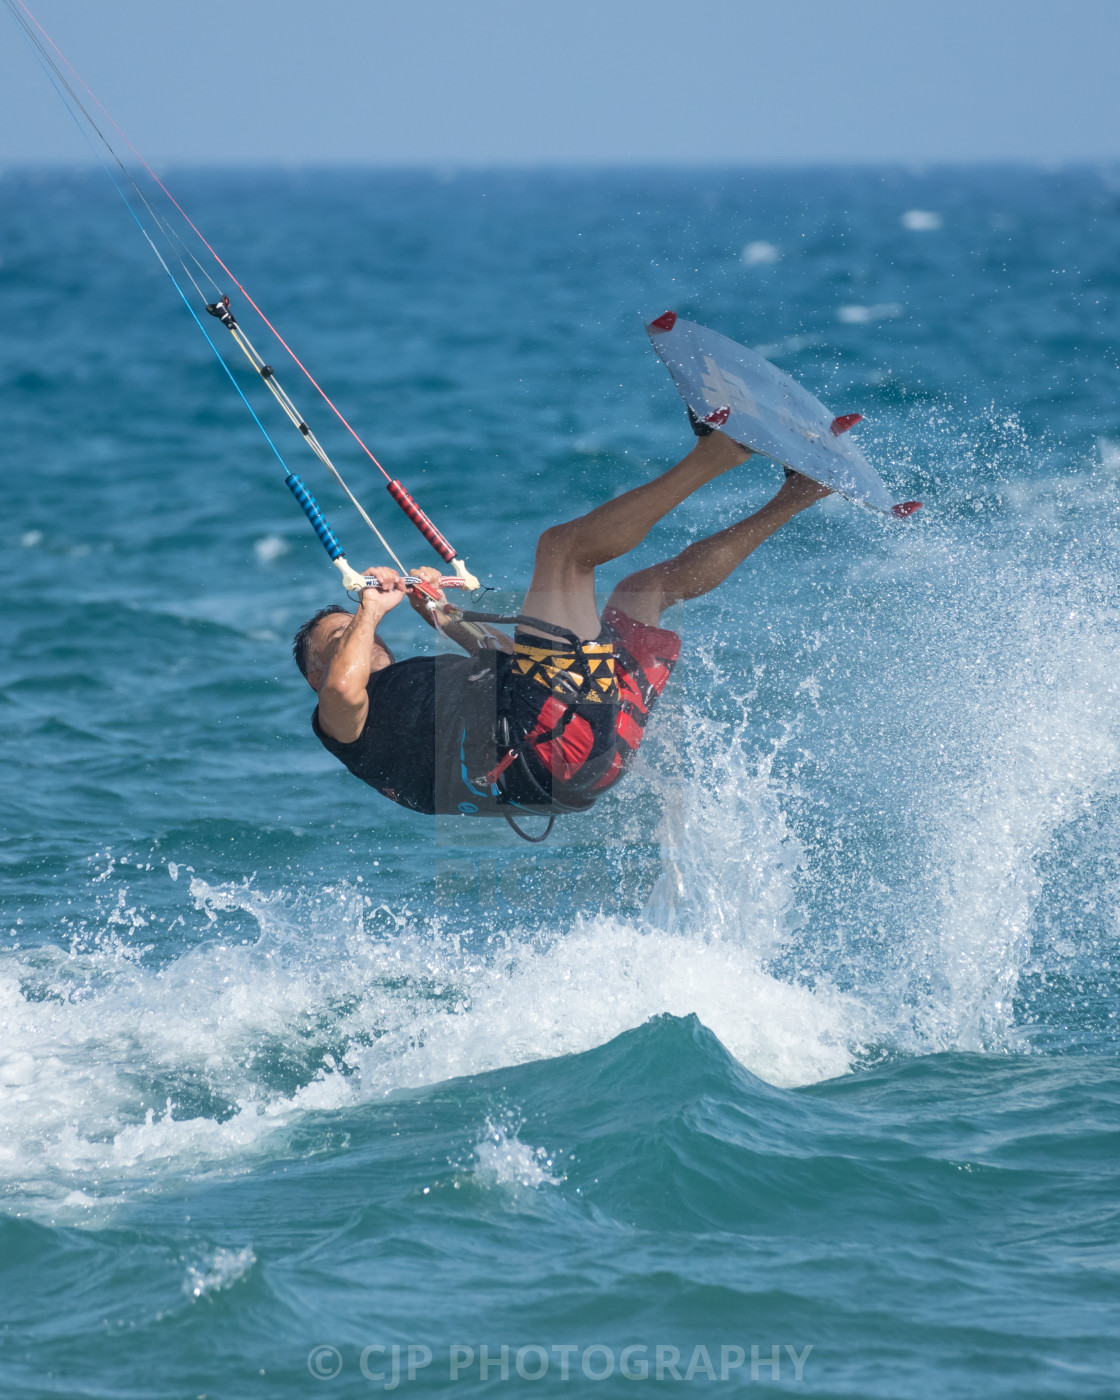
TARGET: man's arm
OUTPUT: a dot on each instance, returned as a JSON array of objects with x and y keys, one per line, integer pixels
[
  {"x": 473, "y": 637},
  {"x": 343, "y": 698}
]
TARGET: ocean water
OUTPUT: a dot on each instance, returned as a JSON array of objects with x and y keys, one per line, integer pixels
[{"x": 793, "y": 1067}]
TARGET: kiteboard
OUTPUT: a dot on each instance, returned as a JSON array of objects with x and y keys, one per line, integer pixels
[{"x": 734, "y": 389}]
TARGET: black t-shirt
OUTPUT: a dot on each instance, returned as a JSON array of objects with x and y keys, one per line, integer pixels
[{"x": 397, "y": 751}]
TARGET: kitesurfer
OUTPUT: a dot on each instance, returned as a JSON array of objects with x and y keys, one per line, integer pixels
[{"x": 549, "y": 719}]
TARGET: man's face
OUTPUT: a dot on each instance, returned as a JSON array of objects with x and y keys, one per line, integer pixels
[{"x": 322, "y": 645}]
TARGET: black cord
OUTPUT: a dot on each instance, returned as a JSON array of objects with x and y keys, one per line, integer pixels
[{"x": 535, "y": 840}]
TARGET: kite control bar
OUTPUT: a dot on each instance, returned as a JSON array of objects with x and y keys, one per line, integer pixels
[
  {"x": 410, "y": 581},
  {"x": 442, "y": 547},
  {"x": 351, "y": 579},
  {"x": 445, "y": 551},
  {"x": 315, "y": 515}
]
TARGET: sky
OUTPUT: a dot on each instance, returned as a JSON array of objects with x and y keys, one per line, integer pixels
[{"x": 530, "y": 82}]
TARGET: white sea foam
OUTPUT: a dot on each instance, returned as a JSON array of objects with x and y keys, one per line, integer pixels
[
  {"x": 759, "y": 251},
  {"x": 790, "y": 345},
  {"x": 218, "y": 1270},
  {"x": 1000, "y": 708},
  {"x": 269, "y": 548},
  {"x": 921, "y": 221},
  {"x": 855, "y": 315},
  {"x": 1109, "y": 455},
  {"x": 600, "y": 978},
  {"x": 402, "y": 1012},
  {"x": 504, "y": 1160},
  {"x": 1050, "y": 742},
  {"x": 93, "y": 1036}
]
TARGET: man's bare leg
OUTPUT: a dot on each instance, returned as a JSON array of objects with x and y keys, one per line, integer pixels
[
  {"x": 563, "y": 585},
  {"x": 644, "y": 596}
]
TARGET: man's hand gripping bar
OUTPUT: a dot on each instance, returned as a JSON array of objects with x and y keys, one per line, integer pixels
[{"x": 352, "y": 580}]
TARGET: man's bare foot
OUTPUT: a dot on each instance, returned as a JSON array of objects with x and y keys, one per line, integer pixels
[
  {"x": 720, "y": 453},
  {"x": 800, "y": 492}
]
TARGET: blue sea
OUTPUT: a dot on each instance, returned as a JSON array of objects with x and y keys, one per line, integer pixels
[{"x": 794, "y": 1067}]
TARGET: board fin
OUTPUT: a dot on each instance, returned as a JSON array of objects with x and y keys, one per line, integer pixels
[
  {"x": 844, "y": 422},
  {"x": 665, "y": 322},
  {"x": 905, "y": 508}
]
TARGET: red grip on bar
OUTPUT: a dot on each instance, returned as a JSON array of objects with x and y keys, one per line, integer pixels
[{"x": 420, "y": 520}]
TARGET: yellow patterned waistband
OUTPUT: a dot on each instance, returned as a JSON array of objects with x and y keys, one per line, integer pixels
[{"x": 559, "y": 669}]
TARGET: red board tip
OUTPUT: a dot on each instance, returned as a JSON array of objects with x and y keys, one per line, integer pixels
[
  {"x": 664, "y": 322},
  {"x": 717, "y": 418},
  {"x": 906, "y": 508},
  {"x": 844, "y": 422}
]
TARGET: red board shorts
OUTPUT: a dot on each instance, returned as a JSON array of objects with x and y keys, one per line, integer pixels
[{"x": 599, "y": 741}]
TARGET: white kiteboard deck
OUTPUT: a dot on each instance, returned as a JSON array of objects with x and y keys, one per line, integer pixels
[{"x": 734, "y": 389}]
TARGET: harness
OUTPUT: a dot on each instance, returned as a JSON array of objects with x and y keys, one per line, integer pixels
[
  {"x": 557, "y": 670},
  {"x": 583, "y": 673}
]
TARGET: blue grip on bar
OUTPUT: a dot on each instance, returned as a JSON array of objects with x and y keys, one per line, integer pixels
[{"x": 315, "y": 515}]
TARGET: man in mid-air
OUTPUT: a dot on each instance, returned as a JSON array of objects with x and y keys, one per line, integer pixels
[{"x": 548, "y": 720}]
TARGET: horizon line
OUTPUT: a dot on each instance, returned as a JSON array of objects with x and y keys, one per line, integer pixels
[{"x": 449, "y": 167}]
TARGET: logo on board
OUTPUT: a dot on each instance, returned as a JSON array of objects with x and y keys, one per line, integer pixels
[{"x": 723, "y": 387}]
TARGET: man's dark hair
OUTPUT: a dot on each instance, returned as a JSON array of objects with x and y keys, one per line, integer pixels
[{"x": 303, "y": 636}]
